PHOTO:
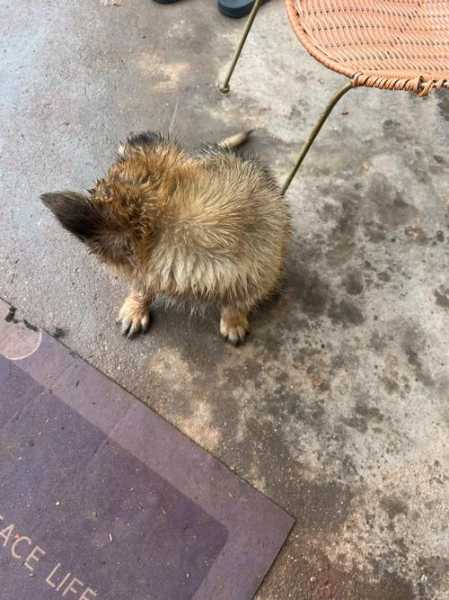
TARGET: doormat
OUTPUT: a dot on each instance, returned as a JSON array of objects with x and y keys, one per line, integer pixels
[{"x": 102, "y": 499}]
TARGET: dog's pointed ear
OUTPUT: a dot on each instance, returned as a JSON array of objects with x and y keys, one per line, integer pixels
[{"x": 76, "y": 213}]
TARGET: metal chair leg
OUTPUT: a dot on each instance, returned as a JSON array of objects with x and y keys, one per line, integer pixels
[
  {"x": 224, "y": 87},
  {"x": 315, "y": 131}
]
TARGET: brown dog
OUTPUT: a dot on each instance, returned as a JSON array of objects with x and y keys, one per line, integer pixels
[{"x": 211, "y": 227}]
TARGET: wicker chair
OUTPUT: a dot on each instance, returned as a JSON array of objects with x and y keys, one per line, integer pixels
[{"x": 387, "y": 44}]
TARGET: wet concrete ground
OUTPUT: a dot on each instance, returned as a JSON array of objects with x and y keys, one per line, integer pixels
[{"x": 337, "y": 407}]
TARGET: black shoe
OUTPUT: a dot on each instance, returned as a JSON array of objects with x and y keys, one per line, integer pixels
[{"x": 235, "y": 8}]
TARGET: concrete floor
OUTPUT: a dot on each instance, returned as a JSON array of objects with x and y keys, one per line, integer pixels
[{"x": 338, "y": 405}]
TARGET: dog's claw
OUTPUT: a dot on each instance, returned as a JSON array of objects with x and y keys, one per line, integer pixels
[
  {"x": 133, "y": 321},
  {"x": 131, "y": 327},
  {"x": 126, "y": 327},
  {"x": 235, "y": 335}
]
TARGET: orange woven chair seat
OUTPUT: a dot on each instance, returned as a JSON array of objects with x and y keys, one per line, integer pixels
[{"x": 388, "y": 44}]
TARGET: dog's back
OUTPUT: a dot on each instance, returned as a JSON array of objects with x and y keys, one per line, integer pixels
[{"x": 222, "y": 223}]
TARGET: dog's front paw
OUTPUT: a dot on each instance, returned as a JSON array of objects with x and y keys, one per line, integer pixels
[
  {"x": 234, "y": 326},
  {"x": 134, "y": 317}
]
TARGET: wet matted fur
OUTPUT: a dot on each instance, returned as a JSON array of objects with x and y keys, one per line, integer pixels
[{"x": 209, "y": 227}]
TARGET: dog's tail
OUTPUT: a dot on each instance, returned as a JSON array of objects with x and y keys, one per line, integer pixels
[{"x": 236, "y": 140}]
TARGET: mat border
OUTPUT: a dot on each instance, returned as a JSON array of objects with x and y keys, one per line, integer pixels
[{"x": 253, "y": 521}]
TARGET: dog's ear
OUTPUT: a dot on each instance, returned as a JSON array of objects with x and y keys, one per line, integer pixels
[{"x": 76, "y": 213}]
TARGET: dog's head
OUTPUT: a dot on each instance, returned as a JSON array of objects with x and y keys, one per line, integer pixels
[{"x": 109, "y": 220}]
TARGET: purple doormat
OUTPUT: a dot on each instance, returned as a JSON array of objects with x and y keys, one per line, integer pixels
[{"x": 102, "y": 499}]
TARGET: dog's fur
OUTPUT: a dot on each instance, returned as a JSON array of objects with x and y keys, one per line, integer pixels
[{"x": 209, "y": 227}]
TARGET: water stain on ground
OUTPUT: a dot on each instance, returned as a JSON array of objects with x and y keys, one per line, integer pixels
[
  {"x": 318, "y": 506},
  {"x": 415, "y": 361},
  {"x": 442, "y": 297},
  {"x": 393, "y": 507},
  {"x": 285, "y": 403},
  {"x": 391, "y": 385},
  {"x": 363, "y": 416},
  {"x": 391, "y": 208},
  {"x": 414, "y": 346},
  {"x": 394, "y": 129},
  {"x": 345, "y": 313},
  {"x": 310, "y": 290},
  {"x": 375, "y": 231},
  {"x": 384, "y": 276},
  {"x": 353, "y": 283}
]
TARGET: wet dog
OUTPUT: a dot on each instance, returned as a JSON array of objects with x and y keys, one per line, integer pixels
[{"x": 209, "y": 227}]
